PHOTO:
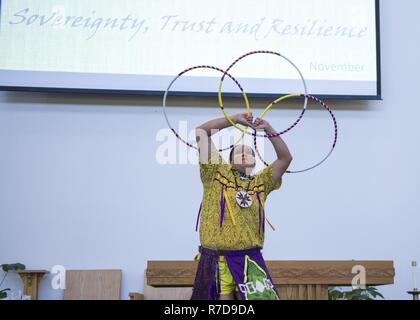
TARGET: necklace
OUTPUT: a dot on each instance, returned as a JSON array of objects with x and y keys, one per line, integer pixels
[{"x": 243, "y": 198}]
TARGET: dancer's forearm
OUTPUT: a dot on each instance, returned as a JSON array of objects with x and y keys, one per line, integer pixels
[
  {"x": 213, "y": 126},
  {"x": 207, "y": 129},
  {"x": 282, "y": 151},
  {"x": 284, "y": 157}
]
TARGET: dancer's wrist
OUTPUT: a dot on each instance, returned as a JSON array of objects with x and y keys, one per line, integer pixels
[
  {"x": 234, "y": 118},
  {"x": 269, "y": 130}
]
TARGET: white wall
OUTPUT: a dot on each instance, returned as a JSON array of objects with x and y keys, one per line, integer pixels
[{"x": 80, "y": 185}]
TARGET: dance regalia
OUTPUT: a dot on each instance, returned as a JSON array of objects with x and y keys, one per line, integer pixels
[{"x": 232, "y": 225}]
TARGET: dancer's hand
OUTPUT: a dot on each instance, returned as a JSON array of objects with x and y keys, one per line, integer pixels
[
  {"x": 244, "y": 119},
  {"x": 261, "y": 124}
]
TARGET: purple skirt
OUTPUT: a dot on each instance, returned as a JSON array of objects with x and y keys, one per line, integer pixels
[{"x": 247, "y": 267}]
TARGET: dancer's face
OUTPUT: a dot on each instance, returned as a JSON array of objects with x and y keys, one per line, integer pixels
[{"x": 243, "y": 158}]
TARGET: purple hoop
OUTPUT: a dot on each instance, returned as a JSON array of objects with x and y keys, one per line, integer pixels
[
  {"x": 169, "y": 87},
  {"x": 300, "y": 74},
  {"x": 332, "y": 147}
]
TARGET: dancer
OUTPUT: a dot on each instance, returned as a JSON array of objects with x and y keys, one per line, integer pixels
[{"x": 232, "y": 216}]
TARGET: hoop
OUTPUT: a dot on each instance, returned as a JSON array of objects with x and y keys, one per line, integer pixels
[
  {"x": 266, "y": 109},
  {"x": 203, "y": 67},
  {"x": 335, "y": 132},
  {"x": 219, "y": 94}
]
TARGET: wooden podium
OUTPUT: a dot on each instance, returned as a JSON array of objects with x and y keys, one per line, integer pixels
[
  {"x": 31, "y": 280},
  {"x": 295, "y": 280}
]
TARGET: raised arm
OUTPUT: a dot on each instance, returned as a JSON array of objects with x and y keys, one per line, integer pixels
[
  {"x": 284, "y": 157},
  {"x": 204, "y": 132}
]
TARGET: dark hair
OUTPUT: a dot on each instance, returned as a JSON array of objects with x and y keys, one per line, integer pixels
[{"x": 233, "y": 149}]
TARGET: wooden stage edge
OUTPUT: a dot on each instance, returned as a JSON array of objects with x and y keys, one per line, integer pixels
[{"x": 176, "y": 273}]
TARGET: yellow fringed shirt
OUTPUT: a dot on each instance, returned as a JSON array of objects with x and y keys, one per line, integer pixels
[{"x": 241, "y": 227}]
